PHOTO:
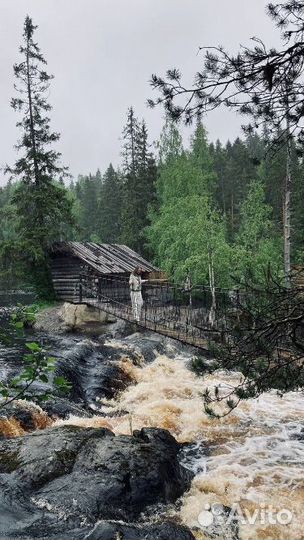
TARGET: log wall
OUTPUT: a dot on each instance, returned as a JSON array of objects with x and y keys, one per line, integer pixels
[{"x": 65, "y": 274}]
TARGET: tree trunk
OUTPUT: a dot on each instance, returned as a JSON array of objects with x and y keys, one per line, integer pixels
[
  {"x": 212, "y": 311},
  {"x": 287, "y": 210},
  {"x": 32, "y": 130}
]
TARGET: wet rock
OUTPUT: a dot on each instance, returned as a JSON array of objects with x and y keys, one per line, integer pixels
[
  {"x": 63, "y": 408},
  {"x": 94, "y": 372},
  {"x": 65, "y": 478},
  {"x": 72, "y": 317},
  {"x": 50, "y": 320},
  {"x": 117, "y": 477},
  {"x": 119, "y": 329}
]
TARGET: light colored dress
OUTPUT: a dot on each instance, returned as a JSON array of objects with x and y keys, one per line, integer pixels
[{"x": 135, "y": 283}]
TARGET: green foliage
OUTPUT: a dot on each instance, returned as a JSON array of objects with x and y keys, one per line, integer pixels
[
  {"x": 211, "y": 203},
  {"x": 265, "y": 346},
  {"x": 187, "y": 227},
  {"x": 87, "y": 193},
  {"x": 38, "y": 365},
  {"x": 42, "y": 211},
  {"x": 110, "y": 204},
  {"x": 257, "y": 245},
  {"x": 199, "y": 366},
  {"x": 183, "y": 233},
  {"x": 138, "y": 186},
  {"x": 235, "y": 165}
]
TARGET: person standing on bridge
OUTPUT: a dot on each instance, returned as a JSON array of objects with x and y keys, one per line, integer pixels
[{"x": 135, "y": 283}]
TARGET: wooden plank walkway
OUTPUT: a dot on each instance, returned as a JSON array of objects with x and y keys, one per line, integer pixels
[{"x": 190, "y": 335}]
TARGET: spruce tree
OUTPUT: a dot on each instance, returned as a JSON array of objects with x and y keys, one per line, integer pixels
[
  {"x": 272, "y": 173},
  {"x": 109, "y": 210},
  {"x": 131, "y": 190},
  {"x": 139, "y": 175},
  {"x": 43, "y": 209},
  {"x": 219, "y": 158},
  {"x": 202, "y": 159},
  {"x": 240, "y": 171},
  {"x": 147, "y": 175},
  {"x": 89, "y": 209}
]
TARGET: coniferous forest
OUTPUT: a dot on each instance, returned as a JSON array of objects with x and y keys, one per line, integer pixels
[{"x": 176, "y": 202}]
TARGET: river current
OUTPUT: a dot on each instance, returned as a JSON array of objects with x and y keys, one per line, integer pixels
[
  {"x": 248, "y": 466},
  {"x": 252, "y": 460}
]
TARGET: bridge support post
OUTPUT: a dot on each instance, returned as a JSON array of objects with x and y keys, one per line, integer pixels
[
  {"x": 80, "y": 289},
  {"x": 99, "y": 290}
]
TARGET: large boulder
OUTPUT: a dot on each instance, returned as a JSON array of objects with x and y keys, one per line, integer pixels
[
  {"x": 73, "y": 317},
  {"x": 50, "y": 320},
  {"x": 85, "y": 318},
  {"x": 66, "y": 479}
]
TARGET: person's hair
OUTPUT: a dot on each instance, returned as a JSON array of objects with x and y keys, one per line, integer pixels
[{"x": 137, "y": 271}]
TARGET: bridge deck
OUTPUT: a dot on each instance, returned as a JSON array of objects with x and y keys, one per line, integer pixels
[{"x": 151, "y": 320}]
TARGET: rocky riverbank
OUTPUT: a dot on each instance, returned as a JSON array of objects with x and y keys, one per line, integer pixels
[{"x": 75, "y": 482}]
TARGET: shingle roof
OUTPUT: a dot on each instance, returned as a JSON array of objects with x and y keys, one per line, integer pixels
[{"x": 105, "y": 258}]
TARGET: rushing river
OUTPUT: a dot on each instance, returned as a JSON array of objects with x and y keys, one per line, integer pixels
[
  {"x": 253, "y": 458},
  {"x": 247, "y": 466}
]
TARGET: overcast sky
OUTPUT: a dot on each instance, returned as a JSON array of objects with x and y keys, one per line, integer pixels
[{"x": 103, "y": 52}]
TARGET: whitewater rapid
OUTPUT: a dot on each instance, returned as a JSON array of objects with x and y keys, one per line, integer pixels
[{"x": 252, "y": 460}]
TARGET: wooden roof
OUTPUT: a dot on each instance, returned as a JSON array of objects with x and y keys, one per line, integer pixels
[{"x": 104, "y": 258}]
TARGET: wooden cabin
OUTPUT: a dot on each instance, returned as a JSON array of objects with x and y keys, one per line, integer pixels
[{"x": 112, "y": 262}]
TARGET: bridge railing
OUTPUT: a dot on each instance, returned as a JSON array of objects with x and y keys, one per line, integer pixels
[{"x": 165, "y": 303}]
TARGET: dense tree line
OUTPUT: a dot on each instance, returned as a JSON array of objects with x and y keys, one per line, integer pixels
[
  {"x": 210, "y": 206},
  {"x": 113, "y": 207},
  {"x": 186, "y": 208},
  {"x": 260, "y": 82}
]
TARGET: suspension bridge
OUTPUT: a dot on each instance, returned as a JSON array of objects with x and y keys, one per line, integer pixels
[{"x": 194, "y": 317}]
